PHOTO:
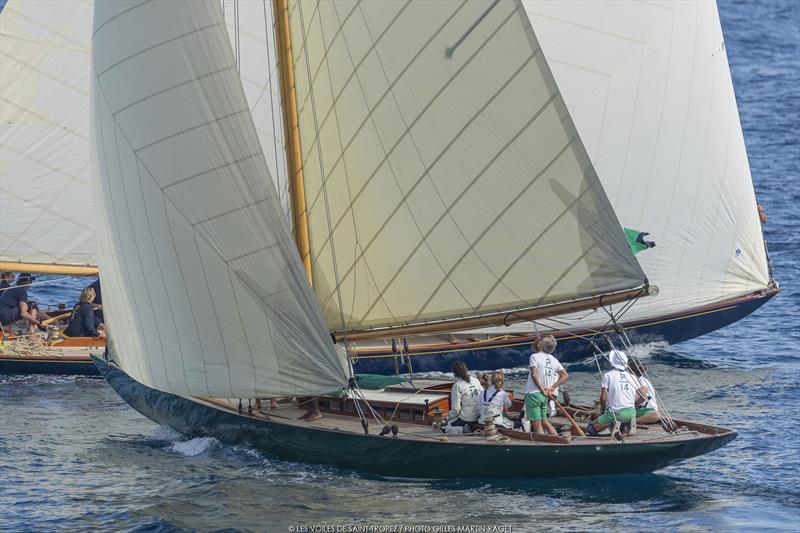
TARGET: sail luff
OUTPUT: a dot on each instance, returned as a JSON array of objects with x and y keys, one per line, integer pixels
[
  {"x": 294, "y": 153},
  {"x": 496, "y": 319}
]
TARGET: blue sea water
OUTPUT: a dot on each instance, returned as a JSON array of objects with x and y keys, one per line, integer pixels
[{"x": 73, "y": 456}]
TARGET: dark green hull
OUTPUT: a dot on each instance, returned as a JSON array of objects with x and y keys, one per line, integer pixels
[{"x": 387, "y": 456}]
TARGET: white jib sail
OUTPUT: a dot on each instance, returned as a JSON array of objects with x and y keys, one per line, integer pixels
[
  {"x": 46, "y": 211},
  {"x": 649, "y": 88},
  {"x": 204, "y": 292},
  {"x": 443, "y": 185},
  {"x": 250, "y": 27}
]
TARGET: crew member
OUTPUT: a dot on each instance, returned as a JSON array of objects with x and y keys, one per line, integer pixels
[
  {"x": 98, "y": 301},
  {"x": 617, "y": 394},
  {"x": 14, "y": 304},
  {"x": 82, "y": 322},
  {"x": 465, "y": 399},
  {"x": 545, "y": 376},
  {"x": 646, "y": 405},
  {"x": 496, "y": 402}
]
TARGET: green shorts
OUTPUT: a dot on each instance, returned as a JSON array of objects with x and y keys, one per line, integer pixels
[
  {"x": 535, "y": 406},
  {"x": 623, "y": 415},
  {"x": 644, "y": 411}
]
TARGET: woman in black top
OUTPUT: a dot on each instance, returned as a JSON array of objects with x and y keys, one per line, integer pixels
[{"x": 82, "y": 322}]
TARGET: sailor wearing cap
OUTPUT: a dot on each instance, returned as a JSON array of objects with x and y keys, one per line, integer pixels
[
  {"x": 617, "y": 394},
  {"x": 14, "y": 304}
]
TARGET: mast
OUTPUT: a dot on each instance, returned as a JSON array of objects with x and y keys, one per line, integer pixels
[
  {"x": 502, "y": 318},
  {"x": 285, "y": 66},
  {"x": 48, "y": 268}
]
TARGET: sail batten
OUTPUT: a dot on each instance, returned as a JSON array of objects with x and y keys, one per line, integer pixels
[
  {"x": 443, "y": 187},
  {"x": 207, "y": 294}
]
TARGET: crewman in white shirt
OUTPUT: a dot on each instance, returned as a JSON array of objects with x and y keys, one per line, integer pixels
[
  {"x": 544, "y": 378},
  {"x": 496, "y": 402},
  {"x": 617, "y": 394},
  {"x": 465, "y": 400},
  {"x": 646, "y": 404}
]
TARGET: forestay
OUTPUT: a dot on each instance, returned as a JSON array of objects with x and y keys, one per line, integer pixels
[
  {"x": 46, "y": 212},
  {"x": 443, "y": 185},
  {"x": 649, "y": 88},
  {"x": 204, "y": 293}
]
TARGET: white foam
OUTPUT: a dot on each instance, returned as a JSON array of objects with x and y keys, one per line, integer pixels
[
  {"x": 645, "y": 350},
  {"x": 166, "y": 434},
  {"x": 195, "y": 447}
]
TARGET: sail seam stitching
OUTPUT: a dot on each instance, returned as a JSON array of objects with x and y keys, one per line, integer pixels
[
  {"x": 413, "y": 122},
  {"x": 160, "y": 44}
]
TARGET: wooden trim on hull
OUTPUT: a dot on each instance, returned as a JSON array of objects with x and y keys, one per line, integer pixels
[{"x": 404, "y": 456}]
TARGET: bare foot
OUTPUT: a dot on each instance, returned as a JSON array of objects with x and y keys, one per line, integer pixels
[
  {"x": 273, "y": 404},
  {"x": 313, "y": 416}
]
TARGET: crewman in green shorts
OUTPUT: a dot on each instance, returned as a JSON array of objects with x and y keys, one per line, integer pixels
[
  {"x": 617, "y": 394},
  {"x": 646, "y": 404},
  {"x": 546, "y": 374}
]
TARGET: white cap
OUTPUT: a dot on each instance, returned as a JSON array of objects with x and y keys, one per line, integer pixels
[{"x": 618, "y": 359}]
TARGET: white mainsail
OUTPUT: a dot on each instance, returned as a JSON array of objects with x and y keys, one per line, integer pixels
[
  {"x": 204, "y": 293},
  {"x": 46, "y": 211},
  {"x": 443, "y": 185},
  {"x": 46, "y": 197},
  {"x": 649, "y": 88}
]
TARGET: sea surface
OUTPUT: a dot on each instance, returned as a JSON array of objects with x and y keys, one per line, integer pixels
[{"x": 73, "y": 456}]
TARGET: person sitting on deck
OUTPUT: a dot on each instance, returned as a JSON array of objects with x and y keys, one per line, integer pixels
[
  {"x": 496, "y": 402},
  {"x": 14, "y": 305},
  {"x": 617, "y": 394},
  {"x": 98, "y": 301},
  {"x": 6, "y": 278},
  {"x": 82, "y": 322},
  {"x": 646, "y": 405},
  {"x": 545, "y": 376},
  {"x": 465, "y": 399}
]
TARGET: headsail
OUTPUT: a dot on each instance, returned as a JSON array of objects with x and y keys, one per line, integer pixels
[
  {"x": 46, "y": 207},
  {"x": 444, "y": 177},
  {"x": 650, "y": 90},
  {"x": 46, "y": 213},
  {"x": 204, "y": 291}
]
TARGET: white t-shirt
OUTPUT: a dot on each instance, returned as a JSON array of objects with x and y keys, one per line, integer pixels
[
  {"x": 465, "y": 400},
  {"x": 546, "y": 367},
  {"x": 651, "y": 392},
  {"x": 493, "y": 404},
  {"x": 621, "y": 388}
]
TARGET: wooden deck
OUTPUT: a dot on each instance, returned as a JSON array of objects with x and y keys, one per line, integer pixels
[{"x": 416, "y": 429}]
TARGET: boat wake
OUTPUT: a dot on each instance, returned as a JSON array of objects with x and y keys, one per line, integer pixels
[
  {"x": 174, "y": 441},
  {"x": 166, "y": 434},
  {"x": 196, "y": 446}
]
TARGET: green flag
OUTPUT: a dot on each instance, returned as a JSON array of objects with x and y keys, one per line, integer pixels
[{"x": 636, "y": 240}]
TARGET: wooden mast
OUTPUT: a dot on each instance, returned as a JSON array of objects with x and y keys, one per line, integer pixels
[
  {"x": 48, "y": 268},
  {"x": 292, "y": 132},
  {"x": 496, "y": 319}
]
